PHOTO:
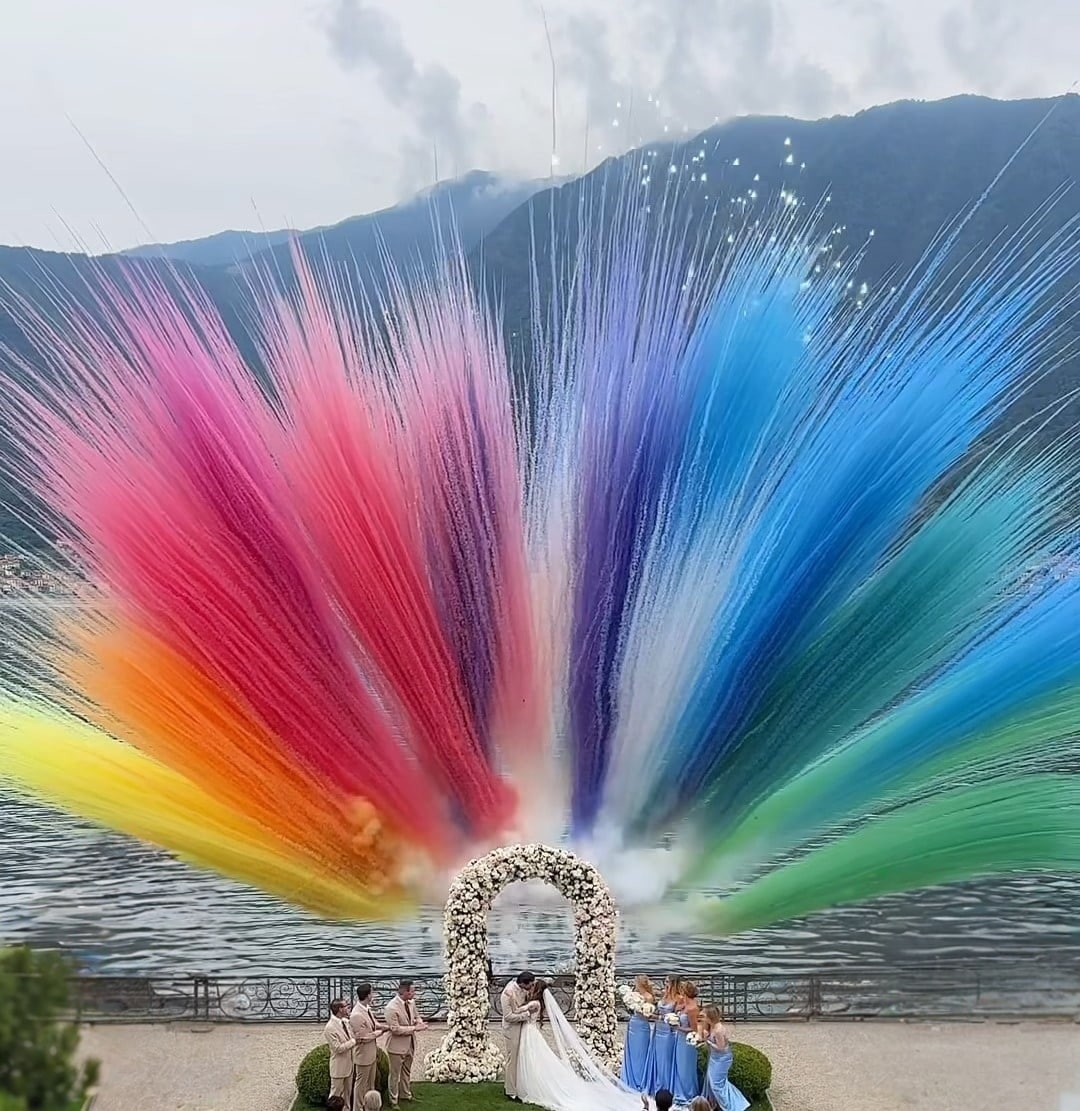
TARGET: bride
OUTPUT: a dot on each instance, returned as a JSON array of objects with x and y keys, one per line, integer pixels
[{"x": 565, "y": 1078}]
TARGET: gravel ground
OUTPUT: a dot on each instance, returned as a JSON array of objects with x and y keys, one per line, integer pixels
[{"x": 816, "y": 1067}]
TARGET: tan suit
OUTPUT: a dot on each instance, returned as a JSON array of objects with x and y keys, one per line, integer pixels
[
  {"x": 515, "y": 1012},
  {"x": 365, "y": 1054},
  {"x": 339, "y": 1038},
  {"x": 401, "y": 1018}
]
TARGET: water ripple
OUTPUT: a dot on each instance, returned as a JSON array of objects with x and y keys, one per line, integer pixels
[{"x": 127, "y": 910}]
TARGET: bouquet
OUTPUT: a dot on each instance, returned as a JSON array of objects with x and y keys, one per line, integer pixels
[
  {"x": 647, "y": 1010},
  {"x": 694, "y": 1039},
  {"x": 672, "y": 1019},
  {"x": 632, "y": 1000}
]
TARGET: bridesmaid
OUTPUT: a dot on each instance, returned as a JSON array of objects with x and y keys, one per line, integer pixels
[
  {"x": 684, "y": 1080},
  {"x": 719, "y": 1090},
  {"x": 664, "y": 1038},
  {"x": 637, "y": 1066}
]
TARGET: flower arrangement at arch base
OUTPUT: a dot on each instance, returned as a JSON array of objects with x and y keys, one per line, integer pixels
[{"x": 468, "y": 1054}]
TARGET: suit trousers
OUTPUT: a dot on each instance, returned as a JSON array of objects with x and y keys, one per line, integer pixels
[
  {"x": 342, "y": 1086},
  {"x": 512, "y": 1031},
  {"x": 400, "y": 1077},
  {"x": 367, "y": 1080}
]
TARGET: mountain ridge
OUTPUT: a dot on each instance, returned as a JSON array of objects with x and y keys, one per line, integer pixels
[
  {"x": 896, "y": 174},
  {"x": 478, "y": 200}
]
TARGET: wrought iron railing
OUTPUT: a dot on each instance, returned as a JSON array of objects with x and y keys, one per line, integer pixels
[{"x": 928, "y": 992}]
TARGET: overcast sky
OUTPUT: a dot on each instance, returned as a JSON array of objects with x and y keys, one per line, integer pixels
[{"x": 216, "y": 114}]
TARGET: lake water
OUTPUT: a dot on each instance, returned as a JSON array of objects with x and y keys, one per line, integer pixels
[{"x": 124, "y": 909}]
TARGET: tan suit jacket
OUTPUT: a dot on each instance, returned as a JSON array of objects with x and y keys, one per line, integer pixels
[
  {"x": 364, "y": 1028},
  {"x": 341, "y": 1047},
  {"x": 515, "y": 1009},
  {"x": 402, "y": 1018},
  {"x": 515, "y": 1013}
]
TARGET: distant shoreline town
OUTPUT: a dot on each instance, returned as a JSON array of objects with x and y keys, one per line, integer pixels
[{"x": 22, "y": 574}]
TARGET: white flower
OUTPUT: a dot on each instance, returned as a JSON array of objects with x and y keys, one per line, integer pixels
[
  {"x": 671, "y": 1019},
  {"x": 467, "y": 1053},
  {"x": 693, "y": 1039},
  {"x": 647, "y": 1009}
]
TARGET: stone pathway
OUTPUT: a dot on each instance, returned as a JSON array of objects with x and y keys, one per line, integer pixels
[{"x": 843, "y": 1066}]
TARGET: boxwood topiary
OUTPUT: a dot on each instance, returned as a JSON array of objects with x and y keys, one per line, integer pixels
[
  {"x": 313, "y": 1076},
  {"x": 751, "y": 1070}
]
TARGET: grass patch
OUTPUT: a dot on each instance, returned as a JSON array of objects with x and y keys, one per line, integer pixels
[
  {"x": 452, "y": 1097},
  {"x": 476, "y": 1097}
]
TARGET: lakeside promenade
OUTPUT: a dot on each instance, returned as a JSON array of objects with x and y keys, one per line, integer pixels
[{"x": 817, "y": 1066}]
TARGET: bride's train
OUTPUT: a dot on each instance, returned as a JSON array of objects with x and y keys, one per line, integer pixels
[{"x": 566, "y": 1078}]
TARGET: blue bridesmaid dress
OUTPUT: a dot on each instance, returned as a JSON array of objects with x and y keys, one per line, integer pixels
[
  {"x": 718, "y": 1089},
  {"x": 684, "y": 1078},
  {"x": 637, "y": 1065},
  {"x": 663, "y": 1050}
]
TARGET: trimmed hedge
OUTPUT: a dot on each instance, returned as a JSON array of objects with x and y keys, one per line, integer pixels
[
  {"x": 313, "y": 1076},
  {"x": 751, "y": 1070}
]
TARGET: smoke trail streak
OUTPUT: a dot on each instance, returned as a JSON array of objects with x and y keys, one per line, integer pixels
[
  {"x": 1019, "y": 825},
  {"x": 725, "y": 556}
]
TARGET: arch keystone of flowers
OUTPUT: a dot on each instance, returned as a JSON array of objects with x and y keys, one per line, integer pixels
[{"x": 468, "y": 1054}]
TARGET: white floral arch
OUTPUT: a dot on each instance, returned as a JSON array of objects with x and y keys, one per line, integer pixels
[{"x": 468, "y": 1053}]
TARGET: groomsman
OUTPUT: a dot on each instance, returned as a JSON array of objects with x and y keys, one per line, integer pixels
[
  {"x": 340, "y": 1038},
  {"x": 366, "y": 1030},
  {"x": 516, "y": 1010},
  {"x": 404, "y": 1024}
]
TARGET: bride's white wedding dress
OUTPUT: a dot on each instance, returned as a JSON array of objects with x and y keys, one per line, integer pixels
[{"x": 548, "y": 1077}]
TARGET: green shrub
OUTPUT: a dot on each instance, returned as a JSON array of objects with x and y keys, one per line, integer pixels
[
  {"x": 313, "y": 1076},
  {"x": 38, "y": 1071},
  {"x": 751, "y": 1070}
]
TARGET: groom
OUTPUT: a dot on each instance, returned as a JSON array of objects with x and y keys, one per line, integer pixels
[{"x": 515, "y": 1011}]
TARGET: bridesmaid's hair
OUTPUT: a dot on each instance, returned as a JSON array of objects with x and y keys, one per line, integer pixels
[
  {"x": 700, "y": 1103},
  {"x": 712, "y": 1015},
  {"x": 689, "y": 989},
  {"x": 672, "y": 988},
  {"x": 643, "y": 986}
]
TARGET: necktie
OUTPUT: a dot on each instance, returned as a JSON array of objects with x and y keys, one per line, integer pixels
[{"x": 345, "y": 1027}]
